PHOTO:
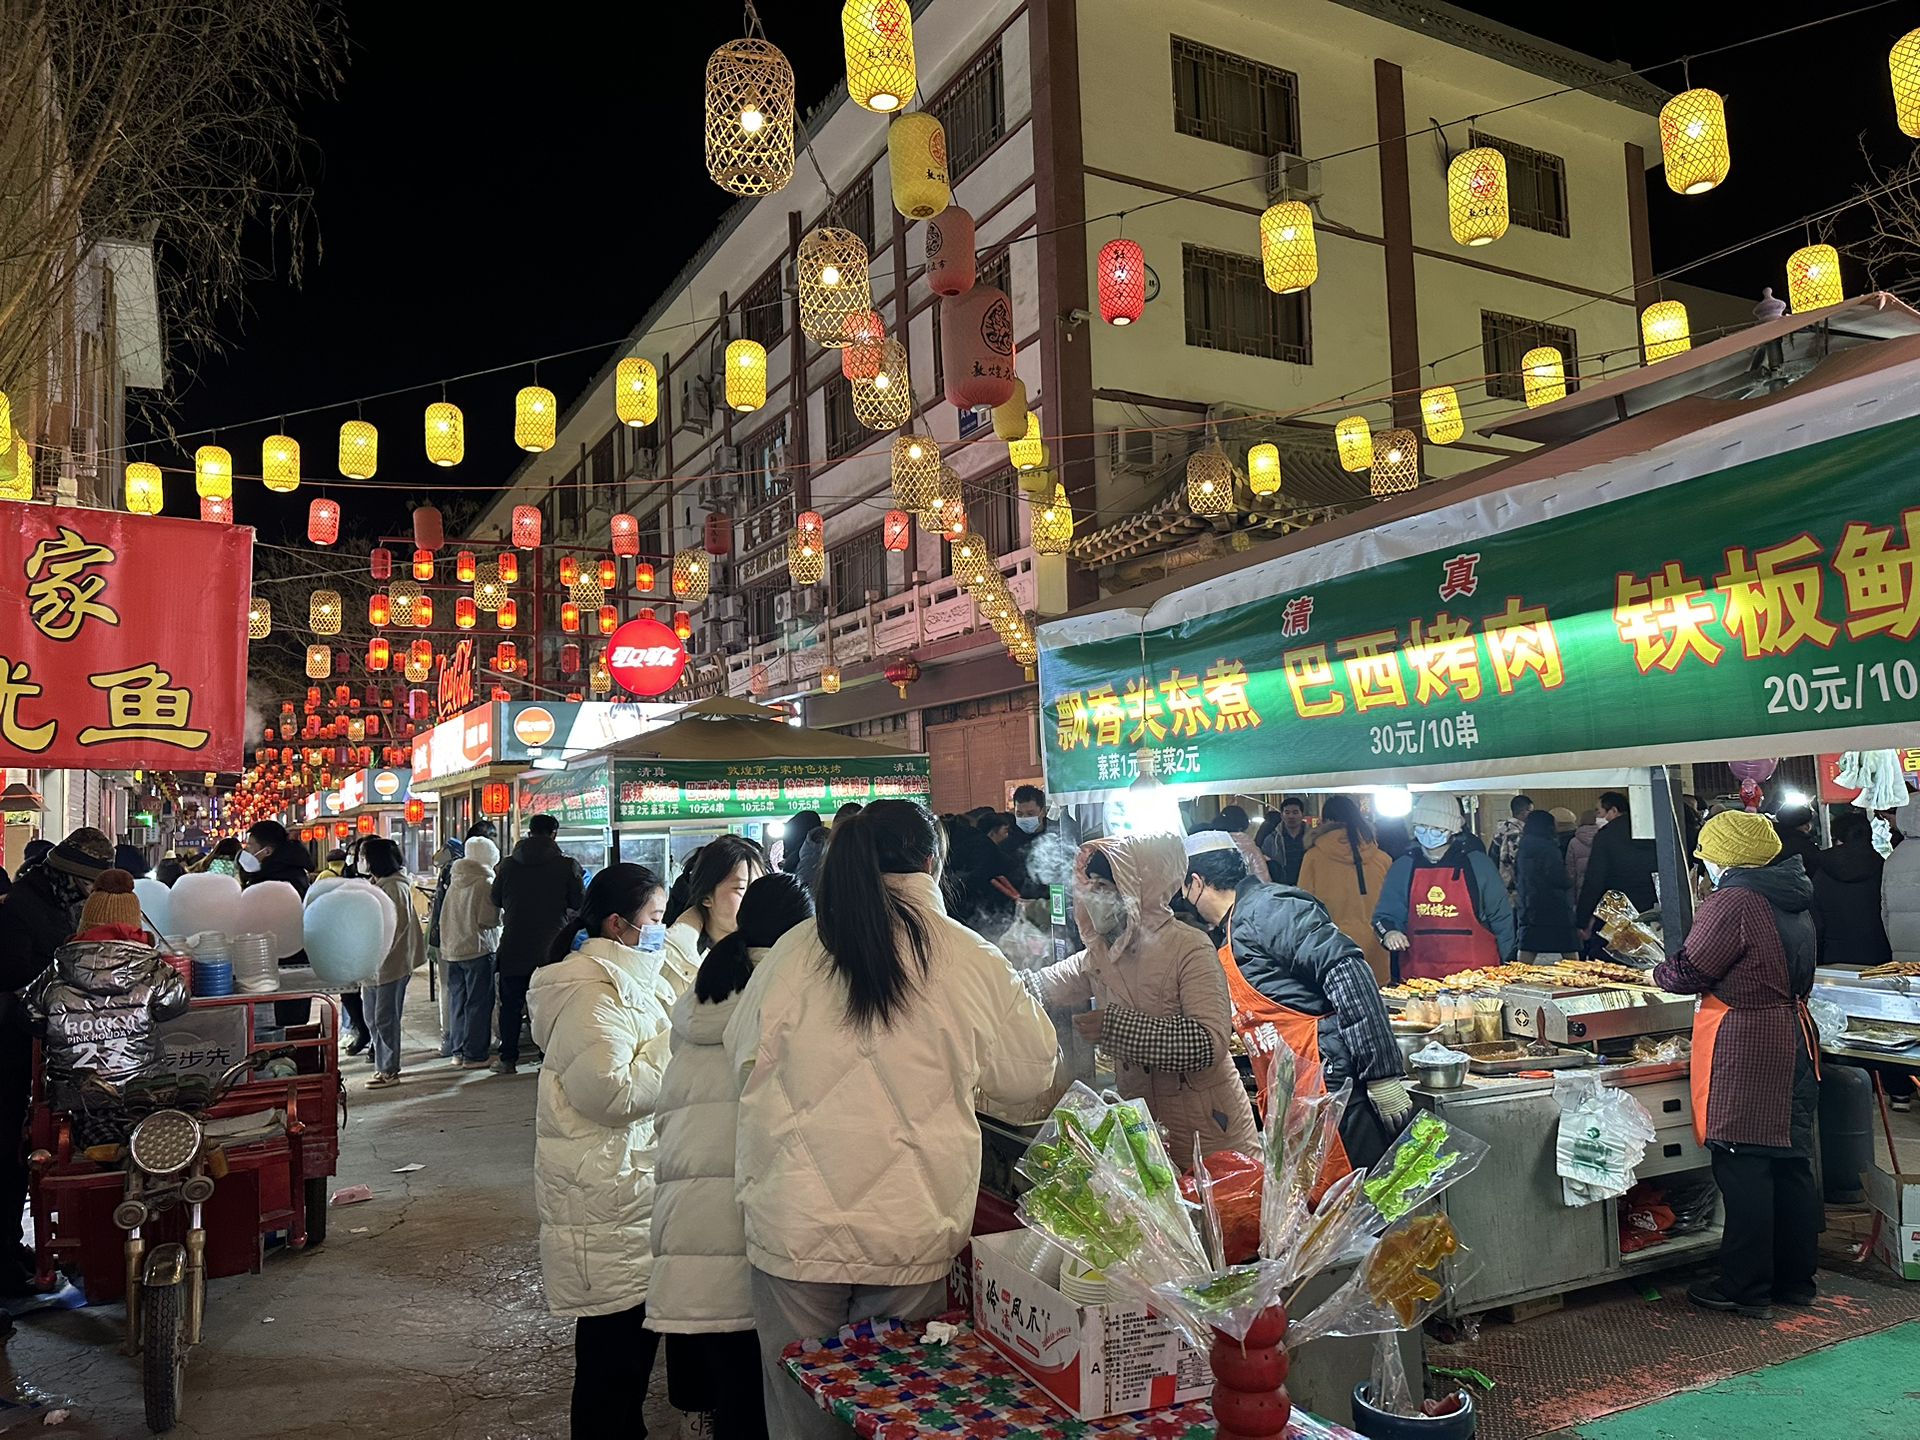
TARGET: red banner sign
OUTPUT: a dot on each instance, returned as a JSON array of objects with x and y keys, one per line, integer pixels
[
  {"x": 646, "y": 657},
  {"x": 128, "y": 646}
]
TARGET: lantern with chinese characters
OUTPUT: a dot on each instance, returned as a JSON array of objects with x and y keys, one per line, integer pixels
[
  {"x": 508, "y": 615},
  {"x": 570, "y": 617},
  {"x": 1263, "y": 469},
  {"x": 691, "y": 576},
  {"x": 505, "y": 656},
  {"x": 1477, "y": 196},
  {"x": 807, "y": 549},
  {"x": 976, "y": 347},
  {"x": 446, "y": 434},
  {"x": 419, "y": 703},
  {"x": 1664, "y": 330},
  {"x": 746, "y": 380},
  {"x": 342, "y": 663},
  {"x": 609, "y": 619},
  {"x": 466, "y": 614},
  {"x": 916, "y": 472},
  {"x": 917, "y": 166},
  {"x": 1543, "y": 372},
  {"x": 280, "y": 463},
  {"x": 885, "y": 401},
  {"x": 416, "y": 810},
  {"x": 1440, "y": 413},
  {"x": 423, "y": 565},
  {"x": 951, "y": 265},
  {"x": 323, "y": 612},
  {"x": 359, "y": 450},
  {"x": 463, "y": 567},
  {"x": 526, "y": 526},
  {"x": 901, "y": 673},
  {"x": 1053, "y": 524},
  {"x": 507, "y": 567},
  {"x": 496, "y": 798},
  {"x": 1289, "y": 258},
  {"x": 609, "y": 573},
  {"x": 830, "y": 679},
  {"x": 682, "y": 624},
  {"x": 1028, "y": 452},
  {"x": 419, "y": 661},
  {"x": 212, "y": 473},
  {"x": 624, "y": 533},
  {"x": 323, "y": 522},
  {"x": 319, "y": 661},
  {"x": 259, "y": 618},
  {"x": 535, "y": 413},
  {"x": 636, "y": 391},
  {"x": 144, "y": 493},
  {"x": 401, "y": 598},
  {"x": 1353, "y": 439},
  {"x": 867, "y": 333},
  {"x": 749, "y": 119},
  {"x": 879, "y": 47},
  {"x": 716, "y": 535},
  {"x": 423, "y": 612},
  {"x": 896, "y": 531},
  {"x": 1693, "y": 141},
  {"x": 379, "y": 653},
  {"x": 569, "y": 569},
  {"x": 1813, "y": 278},
  {"x": 831, "y": 269},
  {"x": 1210, "y": 482},
  {"x": 380, "y": 563},
  {"x": 569, "y": 659},
  {"x": 1121, "y": 275},
  {"x": 1396, "y": 463}
]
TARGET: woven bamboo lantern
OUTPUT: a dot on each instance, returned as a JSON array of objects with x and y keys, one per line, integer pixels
[
  {"x": 535, "y": 413},
  {"x": 379, "y": 610},
  {"x": 259, "y": 618},
  {"x": 1010, "y": 415},
  {"x": 968, "y": 555},
  {"x": 16, "y": 478},
  {"x": 419, "y": 661},
  {"x": 423, "y": 565},
  {"x": 319, "y": 661},
  {"x": 213, "y": 472},
  {"x": 587, "y": 592},
  {"x": 624, "y": 533},
  {"x": 379, "y": 653},
  {"x": 1210, "y": 482},
  {"x": 636, "y": 391},
  {"x": 1289, "y": 257},
  {"x": 323, "y": 522},
  {"x": 1029, "y": 452},
  {"x": 1904, "y": 62},
  {"x": 359, "y": 450},
  {"x": 1121, "y": 276},
  {"x": 879, "y": 42},
  {"x": 916, "y": 472},
  {"x": 831, "y": 266},
  {"x": 526, "y": 526},
  {"x": 1693, "y": 141},
  {"x": 1053, "y": 524},
  {"x": 1543, "y": 371},
  {"x": 600, "y": 679},
  {"x": 323, "y": 612},
  {"x": 749, "y": 117},
  {"x": 917, "y": 165},
  {"x": 609, "y": 573},
  {"x": 691, "y": 576},
  {"x": 1353, "y": 438},
  {"x": 1664, "y": 330},
  {"x": 446, "y": 434},
  {"x": 1440, "y": 413},
  {"x": 946, "y": 512},
  {"x": 866, "y": 336},
  {"x": 886, "y": 401},
  {"x": 951, "y": 267},
  {"x": 466, "y": 614},
  {"x": 1813, "y": 278},
  {"x": 423, "y": 612},
  {"x": 896, "y": 530},
  {"x": 976, "y": 347},
  {"x": 508, "y": 615},
  {"x": 507, "y": 566},
  {"x": 488, "y": 588},
  {"x": 1396, "y": 463},
  {"x": 144, "y": 489},
  {"x": 6, "y": 421},
  {"x": 807, "y": 549},
  {"x": 1263, "y": 469},
  {"x": 1477, "y": 196},
  {"x": 401, "y": 599},
  {"x": 830, "y": 679},
  {"x": 280, "y": 463},
  {"x": 746, "y": 383}
]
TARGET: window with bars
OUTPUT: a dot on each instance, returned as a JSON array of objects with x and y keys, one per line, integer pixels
[
  {"x": 845, "y": 433},
  {"x": 1228, "y": 98},
  {"x": 653, "y": 545},
  {"x": 973, "y": 112},
  {"x": 570, "y": 501},
  {"x": 1536, "y": 184},
  {"x": 997, "y": 273},
  {"x": 859, "y": 565},
  {"x": 852, "y": 211},
  {"x": 1229, "y": 307},
  {"x": 606, "y": 486},
  {"x": 1505, "y": 339},
  {"x": 763, "y": 309},
  {"x": 763, "y": 476},
  {"x": 993, "y": 510}
]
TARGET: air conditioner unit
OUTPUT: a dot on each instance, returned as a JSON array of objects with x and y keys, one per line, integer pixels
[
  {"x": 725, "y": 607},
  {"x": 796, "y": 604},
  {"x": 644, "y": 459},
  {"x": 696, "y": 402},
  {"x": 718, "y": 492},
  {"x": 1132, "y": 451},
  {"x": 1289, "y": 177},
  {"x": 726, "y": 458}
]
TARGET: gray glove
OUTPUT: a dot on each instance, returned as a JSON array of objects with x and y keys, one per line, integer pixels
[{"x": 1392, "y": 1102}]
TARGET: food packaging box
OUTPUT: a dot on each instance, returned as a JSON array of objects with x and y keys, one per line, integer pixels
[
  {"x": 1898, "y": 1247},
  {"x": 1095, "y": 1360},
  {"x": 1895, "y": 1195}
]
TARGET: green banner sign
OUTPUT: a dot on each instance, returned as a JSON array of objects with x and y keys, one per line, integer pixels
[
  {"x": 643, "y": 791},
  {"x": 1777, "y": 597},
  {"x": 579, "y": 796}
]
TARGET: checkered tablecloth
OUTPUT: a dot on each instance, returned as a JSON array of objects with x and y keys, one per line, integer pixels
[{"x": 878, "y": 1378}]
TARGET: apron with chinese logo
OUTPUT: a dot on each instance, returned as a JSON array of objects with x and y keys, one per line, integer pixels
[
  {"x": 1706, "y": 1031},
  {"x": 1447, "y": 937}
]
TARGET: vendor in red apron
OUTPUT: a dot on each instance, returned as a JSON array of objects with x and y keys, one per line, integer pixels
[
  {"x": 1755, "y": 1068},
  {"x": 1443, "y": 907},
  {"x": 1288, "y": 965}
]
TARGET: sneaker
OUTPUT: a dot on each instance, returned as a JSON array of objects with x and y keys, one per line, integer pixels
[
  {"x": 1706, "y": 1294},
  {"x": 474, "y": 1065},
  {"x": 455, "y": 1061},
  {"x": 356, "y": 1044},
  {"x": 1900, "y": 1104},
  {"x": 381, "y": 1080},
  {"x": 504, "y": 1067}
]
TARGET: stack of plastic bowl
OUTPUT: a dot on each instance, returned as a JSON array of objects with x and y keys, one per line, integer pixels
[
  {"x": 174, "y": 950},
  {"x": 255, "y": 970},
  {"x": 1081, "y": 1285},
  {"x": 1038, "y": 1256},
  {"x": 212, "y": 964}
]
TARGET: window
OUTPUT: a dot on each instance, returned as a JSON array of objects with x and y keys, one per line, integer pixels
[
  {"x": 571, "y": 504},
  {"x": 972, "y": 110},
  {"x": 852, "y": 211},
  {"x": 1536, "y": 184},
  {"x": 606, "y": 488},
  {"x": 845, "y": 433},
  {"x": 653, "y": 545},
  {"x": 859, "y": 565},
  {"x": 993, "y": 510},
  {"x": 1504, "y": 339},
  {"x": 1229, "y": 307},
  {"x": 997, "y": 273},
  {"x": 760, "y": 617},
  {"x": 1224, "y": 97},
  {"x": 763, "y": 466},
  {"x": 763, "y": 309}
]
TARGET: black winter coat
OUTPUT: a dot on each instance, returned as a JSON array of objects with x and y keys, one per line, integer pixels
[
  {"x": 537, "y": 888},
  {"x": 1544, "y": 916},
  {"x": 1618, "y": 862},
  {"x": 287, "y": 862},
  {"x": 1846, "y": 905}
]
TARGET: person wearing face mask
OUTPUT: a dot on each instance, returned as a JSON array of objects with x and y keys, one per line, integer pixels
[
  {"x": 1162, "y": 1010},
  {"x": 270, "y": 853},
  {"x": 1751, "y": 955},
  {"x": 1443, "y": 907}
]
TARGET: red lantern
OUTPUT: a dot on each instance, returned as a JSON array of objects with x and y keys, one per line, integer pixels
[
  {"x": 428, "y": 533},
  {"x": 976, "y": 347},
  {"x": 570, "y": 617},
  {"x": 643, "y": 578},
  {"x": 570, "y": 658},
  {"x": 423, "y": 613},
  {"x": 1122, "y": 272},
  {"x": 896, "y": 532},
  {"x": 423, "y": 564},
  {"x": 682, "y": 624},
  {"x": 569, "y": 570},
  {"x": 501, "y": 694},
  {"x": 341, "y": 694},
  {"x": 866, "y": 334},
  {"x": 716, "y": 536},
  {"x": 464, "y": 568},
  {"x": 609, "y": 619},
  {"x": 646, "y": 613},
  {"x": 574, "y": 697},
  {"x": 902, "y": 673},
  {"x": 626, "y": 535},
  {"x": 465, "y": 612},
  {"x": 343, "y": 828},
  {"x": 508, "y": 615},
  {"x": 342, "y": 662},
  {"x": 379, "y": 609},
  {"x": 323, "y": 522},
  {"x": 950, "y": 262},
  {"x": 645, "y": 658},
  {"x": 503, "y": 655},
  {"x": 419, "y": 706},
  {"x": 365, "y": 824},
  {"x": 509, "y": 568},
  {"x": 379, "y": 653},
  {"x": 420, "y": 652},
  {"x": 380, "y": 562},
  {"x": 217, "y": 508},
  {"x": 416, "y": 810},
  {"x": 609, "y": 574}
]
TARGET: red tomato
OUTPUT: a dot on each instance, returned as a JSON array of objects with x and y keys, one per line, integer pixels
[
  {"x": 1258, "y": 1367},
  {"x": 1256, "y": 1413}
]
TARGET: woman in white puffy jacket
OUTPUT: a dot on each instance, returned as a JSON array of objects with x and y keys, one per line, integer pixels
[
  {"x": 700, "y": 1298},
  {"x": 600, "y": 1015}
]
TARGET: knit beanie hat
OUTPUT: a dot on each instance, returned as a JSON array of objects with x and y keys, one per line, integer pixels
[
  {"x": 112, "y": 902},
  {"x": 1441, "y": 811},
  {"x": 85, "y": 853},
  {"x": 1738, "y": 837}
]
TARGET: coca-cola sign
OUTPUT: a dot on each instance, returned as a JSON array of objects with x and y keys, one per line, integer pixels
[{"x": 646, "y": 658}]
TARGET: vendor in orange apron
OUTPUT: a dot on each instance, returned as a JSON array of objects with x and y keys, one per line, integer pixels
[
  {"x": 1443, "y": 907},
  {"x": 1755, "y": 1066},
  {"x": 1288, "y": 966}
]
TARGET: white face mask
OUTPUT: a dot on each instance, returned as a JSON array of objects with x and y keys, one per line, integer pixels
[
  {"x": 1028, "y": 823},
  {"x": 1106, "y": 911},
  {"x": 248, "y": 861},
  {"x": 1432, "y": 837},
  {"x": 1714, "y": 872}
]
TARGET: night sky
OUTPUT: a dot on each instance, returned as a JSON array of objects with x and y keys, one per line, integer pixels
[{"x": 486, "y": 193}]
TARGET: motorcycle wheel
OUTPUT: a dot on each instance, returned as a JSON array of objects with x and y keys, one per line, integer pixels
[
  {"x": 163, "y": 1354},
  {"x": 316, "y": 1210}
]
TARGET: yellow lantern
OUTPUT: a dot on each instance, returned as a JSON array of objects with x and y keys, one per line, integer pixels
[
  {"x": 587, "y": 592},
  {"x": 746, "y": 384},
  {"x": 1477, "y": 196},
  {"x": 419, "y": 662},
  {"x": 1263, "y": 469},
  {"x": 359, "y": 450},
  {"x": 280, "y": 463},
  {"x": 806, "y": 551},
  {"x": 830, "y": 679},
  {"x": 402, "y": 595},
  {"x": 879, "y": 40},
  {"x": 1053, "y": 524},
  {"x": 1543, "y": 371},
  {"x": 1664, "y": 331},
  {"x": 749, "y": 117},
  {"x": 1210, "y": 482},
  {"x": 1440, "y": 413},
  {"x": 1287, "y": 251},
  {"x": 831, "y": 270},
  {"x": 946, "y": 512},
  {"x": 489, "y": 591},
  {"x": 1693, "y": 141},
  {"x": 1354, "y": 440},
  {"x": 1813, "y": 278},
  {"x": 16, "y": 471},
  {"x": 691, "y": 576},
  {"x": 599, "y": 678},
  {"x": 319, "y": 661},
  {"x": 1396, "y": 463},
  {"x": 1904, "y": 62},
  {"x": 636, "y": 391},
  {"x": 6, "y": 421},
  {"x": 259, "y": 618},
  {"x": 917, "y": 164},
  {"x": 1028, "y": 453},
  {"x": 143, "y": 488},
  {"x": 1010, "y": 416},
  {"x": 323, "y": 612},
  {"x": 535, "y": 415},
  {"x": 213, "y": 473},
  {"x": 884, "y": 400},
  {"x": 916, "y": 472},
  {"x": 446, "y": 434},
  {"x": 969, "y": 558}
]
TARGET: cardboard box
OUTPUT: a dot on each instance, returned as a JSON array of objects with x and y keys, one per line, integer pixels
[
  {"x": 1898, "y": 1247},
  {"x": 1095, "y": 1360},
  {"x": 1895, "y": 1195}
]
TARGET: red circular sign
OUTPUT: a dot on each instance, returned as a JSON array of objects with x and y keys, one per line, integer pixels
[{"x": 646, "y": 658}]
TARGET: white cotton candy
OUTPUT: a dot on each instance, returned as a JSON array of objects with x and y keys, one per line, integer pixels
[
  {"x": 272, "y": 907},
  {"x": 156, "y": 903},
  {"x": 326, "y": 883},
  {"x": 348, "y": 931},
  {"x": 205, "y": 902}
]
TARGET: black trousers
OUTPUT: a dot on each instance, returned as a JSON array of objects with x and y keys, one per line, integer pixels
[
  {"x": 513, "y": 1007},
  {"x": 1774, "y": 1216},
  {"x": 612, "y": 1365},
  {"x": 715, "y": 1372}
]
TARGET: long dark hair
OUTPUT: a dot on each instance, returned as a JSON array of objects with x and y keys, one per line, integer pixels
[
  {"x": 772, "y": 906},
  {"x": 617, "y": 890},
  {"x": 382, "y": 856},
  {"x": 861, "y": 920},
  {"x": 716, "y": 860},
  {"x": 1341, "y": 810}
]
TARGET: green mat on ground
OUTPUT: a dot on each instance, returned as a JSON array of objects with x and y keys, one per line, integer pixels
[{"x": 1864, "y": 1389}]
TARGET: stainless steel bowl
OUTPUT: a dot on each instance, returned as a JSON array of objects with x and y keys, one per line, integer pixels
[
  {"x": 1450, "y": 1076},
  {"x": 1411, "y": 1039}
]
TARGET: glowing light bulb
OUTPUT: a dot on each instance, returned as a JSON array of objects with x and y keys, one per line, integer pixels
[
  {"x": 830, "y": 275},
  {"x": 884, "y": 102},
  {"x": 751, "y": 120},
  {"x": 880, "y": 381}
]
